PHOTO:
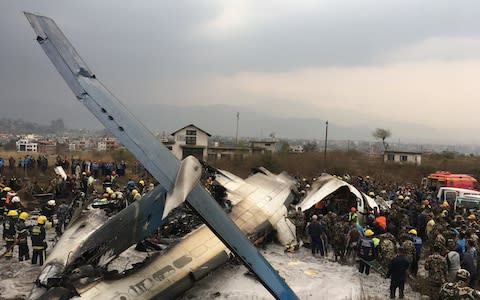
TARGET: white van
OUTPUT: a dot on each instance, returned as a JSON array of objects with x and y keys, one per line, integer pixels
[
  {"x": 450, "y": 194},
  {"x": 464, "y": 204}
]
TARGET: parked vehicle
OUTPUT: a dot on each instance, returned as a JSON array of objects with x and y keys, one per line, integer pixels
[
  {"x": 450, "y": 194},
  {"x": 439, "y": 179}
]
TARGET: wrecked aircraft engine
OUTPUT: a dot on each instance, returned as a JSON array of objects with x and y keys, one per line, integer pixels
[{"x": 161, "y": 163}]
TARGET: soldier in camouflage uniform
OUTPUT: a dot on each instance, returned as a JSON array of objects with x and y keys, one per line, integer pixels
[
  {"x": 409, "y": 247},
  {"x": 459, "y": 289},
  {"x": 298, "y": 219},
  {"x": 436, "y": 265},
  {"x": 387, "y": 249},
  {"x": 339, "y": 240}
]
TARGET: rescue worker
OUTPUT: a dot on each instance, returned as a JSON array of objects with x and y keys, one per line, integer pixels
[
  {"x": 453, "y": 260},
  {"x": 150, "y": 188},
  {"x": 387, "y": 249},
  {"x": 409, "y": 247},
  {"x": 417, "y": 241},
  {"x": 49, "y": 210},
  {"x": 459, "y": 289},
  {"x": 436, "y": 265},
  {"x": 62, "y": 216},
  {"x": 352, "y": 215},
  {"x": 299, "y": 222},
  {"x": 397, "y": 271},
  {"x": 22, "y": 234},
  {"x": 9, "y": 232},
  {"x": 339, "y": 240},
  {"x": 353, "y": 235},
  {"x": 90, "y": 181},
  {"x": 141, "y": 186},
  {"x": 315, "y": 231},
  {"x": 14, "y": 204},
  {"x": 366, "y": 251},
  {"x": 39, "y": 243},
  {"x": 136, "y": 195}
]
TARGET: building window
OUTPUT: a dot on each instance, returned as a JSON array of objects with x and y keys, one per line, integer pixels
[
  {"x": 391, "y": 157},
  {"x": 403, "y": 158},
  {"x": 191, "y": 137}
]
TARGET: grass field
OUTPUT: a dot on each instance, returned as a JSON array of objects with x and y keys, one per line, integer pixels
[{"x": 308, "y": 164}]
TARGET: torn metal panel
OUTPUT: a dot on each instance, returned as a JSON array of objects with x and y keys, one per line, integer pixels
[
  {"x": 327, "y": 185},
  {"x": 269, "y": 192},
  {"x": 156, "y": 158}
]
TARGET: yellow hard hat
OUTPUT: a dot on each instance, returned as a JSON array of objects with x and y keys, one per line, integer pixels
[
  {"x": 24, "y": 215},
  {"x": 471, "y": 217},
  {"x": 151, "y": 185},
  {"x": 369, "y": 232},
  {"x": 134, "y": 191},
  {"x": 41, "y": 220},
  {"x": 12, "y": 213},
  {"x": 371, "y": 194},
  {"x": 413, "y": 231},
  {"x": 400, "y": 197},
  {"x": 7, "y": 189},
  {"x": 141, "y": 182}
]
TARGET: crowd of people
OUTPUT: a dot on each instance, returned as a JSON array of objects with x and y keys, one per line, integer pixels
[
  {"x": 67, "y": 193},
  {"x": 416, "y": 229}
]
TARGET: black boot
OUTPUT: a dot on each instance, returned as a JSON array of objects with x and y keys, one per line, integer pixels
[
  {"x": 400, "y": 295},
  {"x": 392, "y": 295}
]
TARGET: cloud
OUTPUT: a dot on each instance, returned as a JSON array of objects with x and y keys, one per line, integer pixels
[
  {"x": 233, "y": 18},
  {"x": 437, "y": 49},
  {"x": 437, "y": 93}
]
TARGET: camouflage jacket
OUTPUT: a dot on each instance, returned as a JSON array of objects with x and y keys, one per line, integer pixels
[
  {"x": 455, "y": 291},
  {"x": 387, "y": 252},
  {"x": 409, "y": 247},
  {"x": 436, "y": 265}
]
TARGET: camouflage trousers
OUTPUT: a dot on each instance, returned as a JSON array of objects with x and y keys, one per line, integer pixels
[{"x": 434, "y": 289}]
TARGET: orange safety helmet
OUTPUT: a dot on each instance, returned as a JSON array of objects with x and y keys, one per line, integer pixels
[{"x": 353, "y": 209}]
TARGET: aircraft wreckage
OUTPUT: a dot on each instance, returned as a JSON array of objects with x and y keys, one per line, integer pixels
[
  {"x": 78, "y": 264},
  {"x": 91, "y": 243}
]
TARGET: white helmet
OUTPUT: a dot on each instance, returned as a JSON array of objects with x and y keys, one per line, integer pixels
[
  {"x": 16, "y": 199},
  {"x": 51, "y": 202}
]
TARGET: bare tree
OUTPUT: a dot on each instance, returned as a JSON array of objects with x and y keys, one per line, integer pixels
[{"x": 382, "y": 134}]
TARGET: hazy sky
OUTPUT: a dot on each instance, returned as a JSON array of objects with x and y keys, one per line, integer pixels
[{"x": 379, "y": 61}]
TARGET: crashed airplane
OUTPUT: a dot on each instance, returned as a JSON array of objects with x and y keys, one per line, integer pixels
[
  {"x": 327, "y": 185},
  {"x": 76, "y": 266}
]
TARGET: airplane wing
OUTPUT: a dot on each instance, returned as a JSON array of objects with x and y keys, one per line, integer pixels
[{"x": 156, "y": 158}]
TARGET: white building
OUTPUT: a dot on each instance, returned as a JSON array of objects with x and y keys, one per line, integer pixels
[
  {"x": 403, "y": 157},
  {"x": 107, "y": 144},
  {"x": 190, "y": 140},
  {"x": 296, "y": 149},
  {"x": 264, "y": 146},
  {"x": 25, "y": 145}
]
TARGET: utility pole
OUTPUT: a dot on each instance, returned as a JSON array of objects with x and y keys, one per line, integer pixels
[
  {"x": 236, "y": 133},
  {"x": 325, "y": 150}
]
